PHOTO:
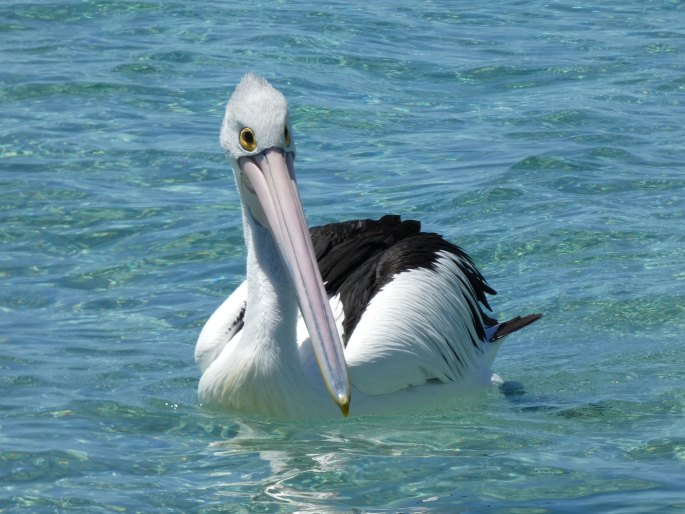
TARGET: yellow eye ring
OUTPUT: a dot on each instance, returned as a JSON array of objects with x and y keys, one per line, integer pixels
[
  {"x": 286, "y": 137},
  {"x": 247, "y": 139}
]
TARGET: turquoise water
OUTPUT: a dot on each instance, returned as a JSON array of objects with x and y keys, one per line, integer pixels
[{"x": 545, "y": 138}]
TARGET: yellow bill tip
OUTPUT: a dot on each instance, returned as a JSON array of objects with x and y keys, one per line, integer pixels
[{"x": 344, "y": 404}]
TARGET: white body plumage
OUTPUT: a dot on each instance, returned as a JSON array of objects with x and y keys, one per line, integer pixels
[{"x": 398, "y": 357}]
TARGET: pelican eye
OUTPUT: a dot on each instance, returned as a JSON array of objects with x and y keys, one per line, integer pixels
[
  {"x": 247, "y": 139},
  {"x": 286, "y": 137}
]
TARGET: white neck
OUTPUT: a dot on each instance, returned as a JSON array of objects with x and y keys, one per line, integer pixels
[
  {"x": 271, "y": 319},
  {"x": 264, "y": 371}
]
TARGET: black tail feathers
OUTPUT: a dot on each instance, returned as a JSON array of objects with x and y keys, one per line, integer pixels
[{"x": 506, "y": 328}]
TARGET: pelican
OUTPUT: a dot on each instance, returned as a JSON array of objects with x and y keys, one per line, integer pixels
[{"x": 376, "y": 314}]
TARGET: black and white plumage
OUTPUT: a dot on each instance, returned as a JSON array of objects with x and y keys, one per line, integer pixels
[{"x": 374, "y": 313}]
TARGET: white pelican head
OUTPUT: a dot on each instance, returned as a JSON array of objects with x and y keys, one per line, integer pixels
[{"x": 257, "y": 137}]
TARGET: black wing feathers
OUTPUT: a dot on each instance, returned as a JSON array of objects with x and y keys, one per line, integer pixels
[
  {"x": 357, "y": 258},
  {"x": 341, "y": 248}
]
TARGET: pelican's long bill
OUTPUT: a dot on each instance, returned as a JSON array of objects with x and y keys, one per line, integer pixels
[{"x": 271, "y": 175}]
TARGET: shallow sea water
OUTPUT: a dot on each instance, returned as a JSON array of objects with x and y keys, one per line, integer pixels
[{"x": 545, "y": 138}]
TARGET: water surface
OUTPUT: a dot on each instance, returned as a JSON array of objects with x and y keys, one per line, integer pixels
[{"x": 545, "y": 138}]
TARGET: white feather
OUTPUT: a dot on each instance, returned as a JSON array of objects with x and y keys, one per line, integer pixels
[
  {"x": 220, "y": 328},
  {"x": 416, "y": 329}
]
